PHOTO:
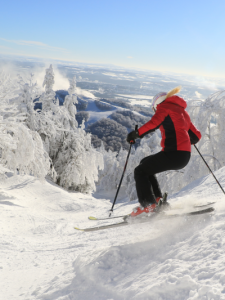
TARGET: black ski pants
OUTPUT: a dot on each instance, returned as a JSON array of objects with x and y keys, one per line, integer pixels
[{"x": 147, "y": 185}]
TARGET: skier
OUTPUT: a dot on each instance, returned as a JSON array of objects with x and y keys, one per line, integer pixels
[{"x": 178, "y": 134}]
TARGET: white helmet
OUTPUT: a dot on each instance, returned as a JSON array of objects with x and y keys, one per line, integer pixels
[
  {"x": 160, "y": 97},
  {"x": 157, "y": 99}
]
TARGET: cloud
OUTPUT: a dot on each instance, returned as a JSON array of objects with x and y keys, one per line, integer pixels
[
  {"x": 34, "y": 43},
  {"x": 206, "y": 83},
  {"x": 4, "y": 47},
  {"x": 130, "y": 57},
  {"x": 84, "y": 93},
  {"x": 61, "y": 82},
  {"x": 11, "y": 69}
]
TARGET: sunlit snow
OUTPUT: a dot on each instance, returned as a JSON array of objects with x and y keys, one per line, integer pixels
[{"x": 44, "y": 257}]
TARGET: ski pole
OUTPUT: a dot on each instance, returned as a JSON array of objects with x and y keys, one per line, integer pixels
[
  {"x": 111, "y": 210},
  {"x": 209, "y": 169}
]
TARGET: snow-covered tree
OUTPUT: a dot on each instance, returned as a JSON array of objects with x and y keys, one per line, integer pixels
[
  {"x": 27, "y": 94},
  {"x": 108, "y": 177},
  {"x": 49, "y": 124},
  {"x": 32, "y": 141},
  {"x": 77, "y": 162},
  {"x": 73, "y": 158},
  {"x": 48, "y": 98},
  {"x": 21, "y": 148},
  {"x": 69, "y": 105},
  {"x": 114, "y": 162}
]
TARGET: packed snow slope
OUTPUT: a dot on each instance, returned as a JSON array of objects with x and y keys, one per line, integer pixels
[{"x": 42, "y": 256}]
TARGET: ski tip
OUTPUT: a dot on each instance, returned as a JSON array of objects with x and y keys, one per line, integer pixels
[
  {"x": 78, "y": 229},
  {"x": 92, "y": 218}
]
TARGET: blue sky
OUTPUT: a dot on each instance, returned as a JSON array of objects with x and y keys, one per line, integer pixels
[{"x": 175, "y": 36}]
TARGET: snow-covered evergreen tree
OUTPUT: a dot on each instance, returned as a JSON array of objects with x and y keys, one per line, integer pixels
[
  {"x": 21, "y": 148},
  {"x": 49, "y": 124},
  {"x": 114, "y": 162},
  {"x": 27, "y": 94},
  {"x": 108, "y": 177},
  {"x": 69, "y": 147},
  {"x": 70, "y": 108},
  {"x": 48, "y": 98},
  {"x": 77, "y": 162},
  {"x": 8, "y": 88},
  {"x": 32, "y": 140}
]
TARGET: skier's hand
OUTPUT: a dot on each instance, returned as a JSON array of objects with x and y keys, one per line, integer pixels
[{"x": 132, "y": 136}]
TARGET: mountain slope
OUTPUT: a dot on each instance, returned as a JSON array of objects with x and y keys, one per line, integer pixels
[{"x": 43, "y": 257}]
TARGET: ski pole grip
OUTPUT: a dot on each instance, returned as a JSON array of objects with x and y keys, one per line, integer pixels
[{"x": 136, "y": 129}]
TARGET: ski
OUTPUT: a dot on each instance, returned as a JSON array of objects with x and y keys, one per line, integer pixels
[
  {"x": 204, "y": 205},
  {"x": 127, "y": 215},
  {"x": 164, "y": 200},
  {"x": 123, "y": 223},
  {"x": 143, "y": 220},
  {"x": 107, "y": 218}
]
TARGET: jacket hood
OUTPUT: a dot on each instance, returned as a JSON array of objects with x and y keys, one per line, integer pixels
[{"x": 176, "y": 100}]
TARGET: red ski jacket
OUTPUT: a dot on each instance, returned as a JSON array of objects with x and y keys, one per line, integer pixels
[{"x": 177, "y": 130}]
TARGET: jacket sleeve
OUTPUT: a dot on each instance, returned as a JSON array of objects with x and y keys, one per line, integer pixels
[
  {"x": 154, "y": 123},
  {"x": 194, "y": 134}
]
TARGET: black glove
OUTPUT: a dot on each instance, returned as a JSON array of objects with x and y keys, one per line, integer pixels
[
  {"x": 193, "y": 137},
  {"x": 132, "y": 136}
]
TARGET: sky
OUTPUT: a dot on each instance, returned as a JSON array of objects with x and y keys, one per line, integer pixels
[{"x": 163, "y": 35}]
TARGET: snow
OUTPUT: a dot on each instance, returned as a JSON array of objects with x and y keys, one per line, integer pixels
[
  {"x": 136, "y": 96},
  {"x": 198, "y": 94},
  {"x": 42, "y": 256},
  {"x": 142, "y": 100},
  {"x": 96, "y": 114},
  {"x": 144, "y": 103}
]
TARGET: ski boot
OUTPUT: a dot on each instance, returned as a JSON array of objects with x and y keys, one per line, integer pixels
[
  {"x": 143, "y": 210},
  {"x": 162, "y": 203}
]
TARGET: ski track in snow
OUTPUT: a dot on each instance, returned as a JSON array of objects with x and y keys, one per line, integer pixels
[{"x": 43, "y": 257}]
